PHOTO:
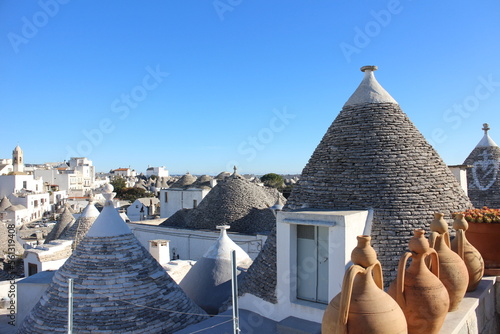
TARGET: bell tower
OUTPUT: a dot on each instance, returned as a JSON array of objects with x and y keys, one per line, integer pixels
[{"x": 18, "y": 159}]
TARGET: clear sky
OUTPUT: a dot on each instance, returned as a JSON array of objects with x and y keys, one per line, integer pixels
[{"x": 199, "y": 85}]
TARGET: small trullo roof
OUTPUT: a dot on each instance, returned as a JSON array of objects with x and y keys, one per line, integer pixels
[
  {"x": 118, "y": 288},
  {"x": 208, "y": 282}
]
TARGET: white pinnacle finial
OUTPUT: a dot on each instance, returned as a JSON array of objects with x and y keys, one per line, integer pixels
[
  {"x": 369, "y": 68},
  {"x": 107, "y": 192},
  {"x": 369, "y": 90},
  {"x": 486, "y": 128},
  {"x": 223, "y": 229}
]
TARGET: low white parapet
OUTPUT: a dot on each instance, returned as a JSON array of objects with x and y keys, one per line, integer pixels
[{"x": 478, "y": 312}]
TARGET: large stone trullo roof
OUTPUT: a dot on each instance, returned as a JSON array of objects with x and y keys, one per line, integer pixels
[
  {"x": 234, "y": 201},
  {"x": 373, "y": 157},
  {"x": 118, "y": 288},
  {"x": 483, "y": 178}
]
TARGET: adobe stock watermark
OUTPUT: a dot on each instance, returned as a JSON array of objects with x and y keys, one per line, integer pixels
[
  {"x": 250, "y": 147},
  {"x": 122, "y": 107},
  {"x": 456, "y": 114},
  {"x": 11, "y": 257},
  {"x": 32, "y": 25},
  {"x": 223, "y": 6},
  {"x": 364, "y": 36}
]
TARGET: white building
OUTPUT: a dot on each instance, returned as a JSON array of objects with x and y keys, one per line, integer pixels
[
  {"x": 6, "y": 166},
  {"x": 77, "y": 177},
  {"x": 13, "y": 213},
  {"x": 173, "y": 200},
  {"x": 124, "y": 172},
  {"x": 36, "y": 204},
  {"x": 158, "y": 171},
  {"x": 17, "y": 183},
  {"x": 142, "y": 208}
]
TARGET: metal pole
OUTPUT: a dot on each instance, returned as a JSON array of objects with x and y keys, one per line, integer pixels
[
  {"x": 70, "y": 305},
  {"x": 234, "y": 285}
]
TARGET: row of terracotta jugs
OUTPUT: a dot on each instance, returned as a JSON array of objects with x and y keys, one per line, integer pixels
[{"x": 419, "y": 299}]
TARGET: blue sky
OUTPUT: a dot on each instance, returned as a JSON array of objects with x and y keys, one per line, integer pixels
[{"x": 200, "y": 85}]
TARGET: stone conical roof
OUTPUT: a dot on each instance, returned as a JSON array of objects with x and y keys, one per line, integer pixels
[
  {"x": 185, "y": 181},
  {"x": 208, "y": 282},
  {"x": 483, "y": 178},
  {"x": 260, "y": 280},
  {"x": 234, "y": 201},
  {"x": 373, "y": 157},
  {"x": 79, "y": 228},
  {"x": 65, "y": 220},
  {"x": 5, "y": 203},
  {"x": 68, "y": 206},
  {"x": 118, "y": 288}
]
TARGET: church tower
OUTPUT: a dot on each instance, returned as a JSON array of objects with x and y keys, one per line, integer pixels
[{"x": 18, "y": 159}]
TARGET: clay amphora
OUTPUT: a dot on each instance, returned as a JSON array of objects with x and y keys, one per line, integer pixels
[
  {"x": 362, "y": 306},
  {"x": 438, "y": 224},
  {"x": 419, "y": 292},
  {"x": 452, "y": 270},
  {"x": 469, "y": 254}
]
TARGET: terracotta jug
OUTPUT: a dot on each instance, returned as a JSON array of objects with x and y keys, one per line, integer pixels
[
  {"x": 452, "y": 270},
  {"x": 469, "y": 254},
  {"x": 362, "y": 306},
  {"x": 438, "y": 224},
  {"x": 419, "y": 292}
]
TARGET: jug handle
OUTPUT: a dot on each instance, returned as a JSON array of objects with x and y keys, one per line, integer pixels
[
  {"x": 345, "y": 297},
  {"x": 377, "y": 274},
  {"x": 446, "y": 236},
  {"x": 460, "y": 243},
  {"x": 432, "y": 239},
  {"x": 434, "y": 261},
  {"x": 400, "y": 281}
]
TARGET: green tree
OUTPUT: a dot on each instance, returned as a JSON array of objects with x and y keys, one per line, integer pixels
[
  {"x": 131, "y": 194},
  {"x": 119, "y": 183},
  {"x": 273, "y": 180}
]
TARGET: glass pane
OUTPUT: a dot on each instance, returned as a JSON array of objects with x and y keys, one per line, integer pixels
[
  {"x": 306, "y": 263},
  {"x": 323, "y": 256}
]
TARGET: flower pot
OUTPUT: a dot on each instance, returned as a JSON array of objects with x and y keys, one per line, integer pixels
[{"x": 486, "y": 238}]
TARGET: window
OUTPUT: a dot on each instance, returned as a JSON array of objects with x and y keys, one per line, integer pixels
[
  {"x": 312, "y": 263},
  {"x": 32, "y": 269},
  {"x": 25, "y": 184},
  {"x": 166, "y": 197},
  {"x": 195, "y": 203}
]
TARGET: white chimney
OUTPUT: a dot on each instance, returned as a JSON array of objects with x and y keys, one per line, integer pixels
[{"x": 160, "y": 250}]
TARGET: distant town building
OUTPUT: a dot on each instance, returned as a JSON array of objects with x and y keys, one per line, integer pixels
[
  {"x": 143, "y": 208},
  {"x": 124, "y": 172},
  {"x": 185, "y": 193},
  {"x": 77, "y": 176},
  {"x": 158, "y": 171}
]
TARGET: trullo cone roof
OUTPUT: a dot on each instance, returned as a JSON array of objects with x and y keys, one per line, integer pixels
[
  {"x": 234, "y": 201},
  {"x": 118, "y": 288},
  {"x": 483, "y": 177},
  {"x": 208, "y": 282},
  {"x": 372, "y": 157},
  {"x": 77, "y": 230},
  {"x": 64, "y": 221}
]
